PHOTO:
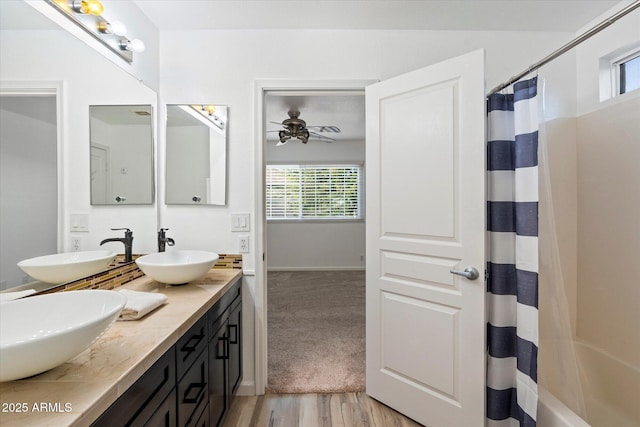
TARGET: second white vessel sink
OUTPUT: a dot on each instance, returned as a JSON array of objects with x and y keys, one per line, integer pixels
[
  {"x": 68, "y": 266},
  {"x": 41, "y": 332},
  {"x": 177, "y": 267}
]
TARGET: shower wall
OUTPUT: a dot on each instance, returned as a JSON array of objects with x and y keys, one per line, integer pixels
[
  {"x": 595, "y": 185},
  {"x": 608, "y": 142},
  {"x": 563, "y": 166}
]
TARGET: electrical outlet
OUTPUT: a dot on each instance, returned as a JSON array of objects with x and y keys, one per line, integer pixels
[
  {"x": 75, "y": 243},
  {"x": 243, "y": 241}
]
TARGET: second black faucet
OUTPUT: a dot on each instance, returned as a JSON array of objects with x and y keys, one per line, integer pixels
[
  {"x": 127, "y": 240},
  {"x": 163, "y": 240}
]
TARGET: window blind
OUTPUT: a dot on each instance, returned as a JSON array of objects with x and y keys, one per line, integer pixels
[{"x": 313, "y": 191}]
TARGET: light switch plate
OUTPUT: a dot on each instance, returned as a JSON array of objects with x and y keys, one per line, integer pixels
[
  {"x": 79, "y": 222},
  {"x": 240, "y": 222}
]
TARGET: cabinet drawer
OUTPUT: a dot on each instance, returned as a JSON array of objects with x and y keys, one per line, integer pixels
[
  {"x": 193, "y": 391},
  {"x": 190, "y": 345},
  {"x": 142, "y": 399}
]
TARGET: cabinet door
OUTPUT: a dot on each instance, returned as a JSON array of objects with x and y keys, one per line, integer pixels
[
  {"x": 218, "y": 355},
  {"x": 235, "y": 348},
  {"x": 165, "y": 415},
  {"x": 193, "y": 391}
]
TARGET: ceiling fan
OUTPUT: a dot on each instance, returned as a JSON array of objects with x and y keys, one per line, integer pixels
[{"x": 295, "y": 127}]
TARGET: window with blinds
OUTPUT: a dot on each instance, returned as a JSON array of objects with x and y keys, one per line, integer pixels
[{"x": 313, "y": 192}]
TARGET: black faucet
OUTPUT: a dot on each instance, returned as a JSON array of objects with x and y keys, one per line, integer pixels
[
  {"x": 164, "y": 240},
  {"x": 127, "y": 240}
]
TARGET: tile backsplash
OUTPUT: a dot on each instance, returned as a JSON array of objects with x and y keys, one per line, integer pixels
[{"x": 119, "y": 273}]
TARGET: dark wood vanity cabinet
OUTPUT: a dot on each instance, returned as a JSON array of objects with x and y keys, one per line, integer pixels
[
  {"x": 225, "y": 354},
  {"x": 193, "y": 383}
]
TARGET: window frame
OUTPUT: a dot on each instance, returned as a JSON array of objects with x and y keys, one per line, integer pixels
[
  {"x": 302, "y": 219},
  {"x": 616, "y": 70}
]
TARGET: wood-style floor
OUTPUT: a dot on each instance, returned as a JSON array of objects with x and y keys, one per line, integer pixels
[{"x": 313, "y": 410}]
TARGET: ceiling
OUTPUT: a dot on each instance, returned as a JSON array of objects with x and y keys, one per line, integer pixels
[{"x": 518, "y": 15}]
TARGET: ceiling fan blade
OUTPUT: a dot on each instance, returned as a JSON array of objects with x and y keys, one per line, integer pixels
[
  {"x": 329, "y": 129},
  {"x": 321, "y": 137},
  {"x": 278, "y": 123}
]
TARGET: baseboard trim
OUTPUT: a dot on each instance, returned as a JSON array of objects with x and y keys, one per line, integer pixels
[
  {"x": 333, "y": 268},
  {"x": 246, "y": 388}
]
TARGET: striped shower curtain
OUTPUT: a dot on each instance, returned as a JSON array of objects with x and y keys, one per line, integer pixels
[{"x": 512, "y": 210}]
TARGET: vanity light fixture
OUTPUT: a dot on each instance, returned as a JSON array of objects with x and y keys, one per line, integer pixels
[
  {"x": 117, "y": 28},
  {"x": 206, "y": 114},
  {"x": 135, "y": 45},
  {"x": 87, "y": 15},
  {"x": 91, "y": 7}
]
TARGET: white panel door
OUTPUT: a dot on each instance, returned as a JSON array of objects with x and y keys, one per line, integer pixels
[
  {"x": 425, "y": 192},
  {"x": 100, "y": 188}
]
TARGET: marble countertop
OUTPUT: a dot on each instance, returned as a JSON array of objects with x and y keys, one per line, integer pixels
[{"x": 78, "y": 391}]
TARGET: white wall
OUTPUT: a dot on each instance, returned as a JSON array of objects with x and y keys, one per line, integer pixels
[
  {"x": 188, "y": 150},
  {"x": 28, "y": 184},
  {"x": 622, "y": 35}
]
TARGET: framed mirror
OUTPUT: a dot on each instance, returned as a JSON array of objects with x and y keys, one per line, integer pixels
[
  {"x": 196, "y": 154},
  {"x": 121, "y": 154}
]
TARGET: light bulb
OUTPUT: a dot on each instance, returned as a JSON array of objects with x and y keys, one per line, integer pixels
[
  {"x": 118, "y": 28},
  {"x": 136, "y": 45},
  {"x": 91, "y": 7}
]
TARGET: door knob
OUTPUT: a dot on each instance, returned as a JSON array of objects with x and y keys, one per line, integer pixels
[{"x": 470, "y": 273}]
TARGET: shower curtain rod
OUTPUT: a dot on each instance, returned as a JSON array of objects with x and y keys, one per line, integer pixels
[{"x": 573, "y": 43}]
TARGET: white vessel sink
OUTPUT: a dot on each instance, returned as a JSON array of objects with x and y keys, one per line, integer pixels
[
  {"x": 41, "y": 332},
  {"x": 64, "y": 267},
  {"x": 177, "y": 267}
]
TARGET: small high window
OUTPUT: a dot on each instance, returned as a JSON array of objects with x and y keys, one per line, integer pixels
[{"x": 628, "y": 71}]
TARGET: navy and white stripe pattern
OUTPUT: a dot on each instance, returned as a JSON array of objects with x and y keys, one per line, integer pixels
[{"x": 512, "y": 224}]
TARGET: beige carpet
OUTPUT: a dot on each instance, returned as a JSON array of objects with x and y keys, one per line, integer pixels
[{"x": 316, "y": 327}]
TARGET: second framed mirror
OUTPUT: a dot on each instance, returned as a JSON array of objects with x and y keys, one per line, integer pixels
[{"x": 196, "y": 154}]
